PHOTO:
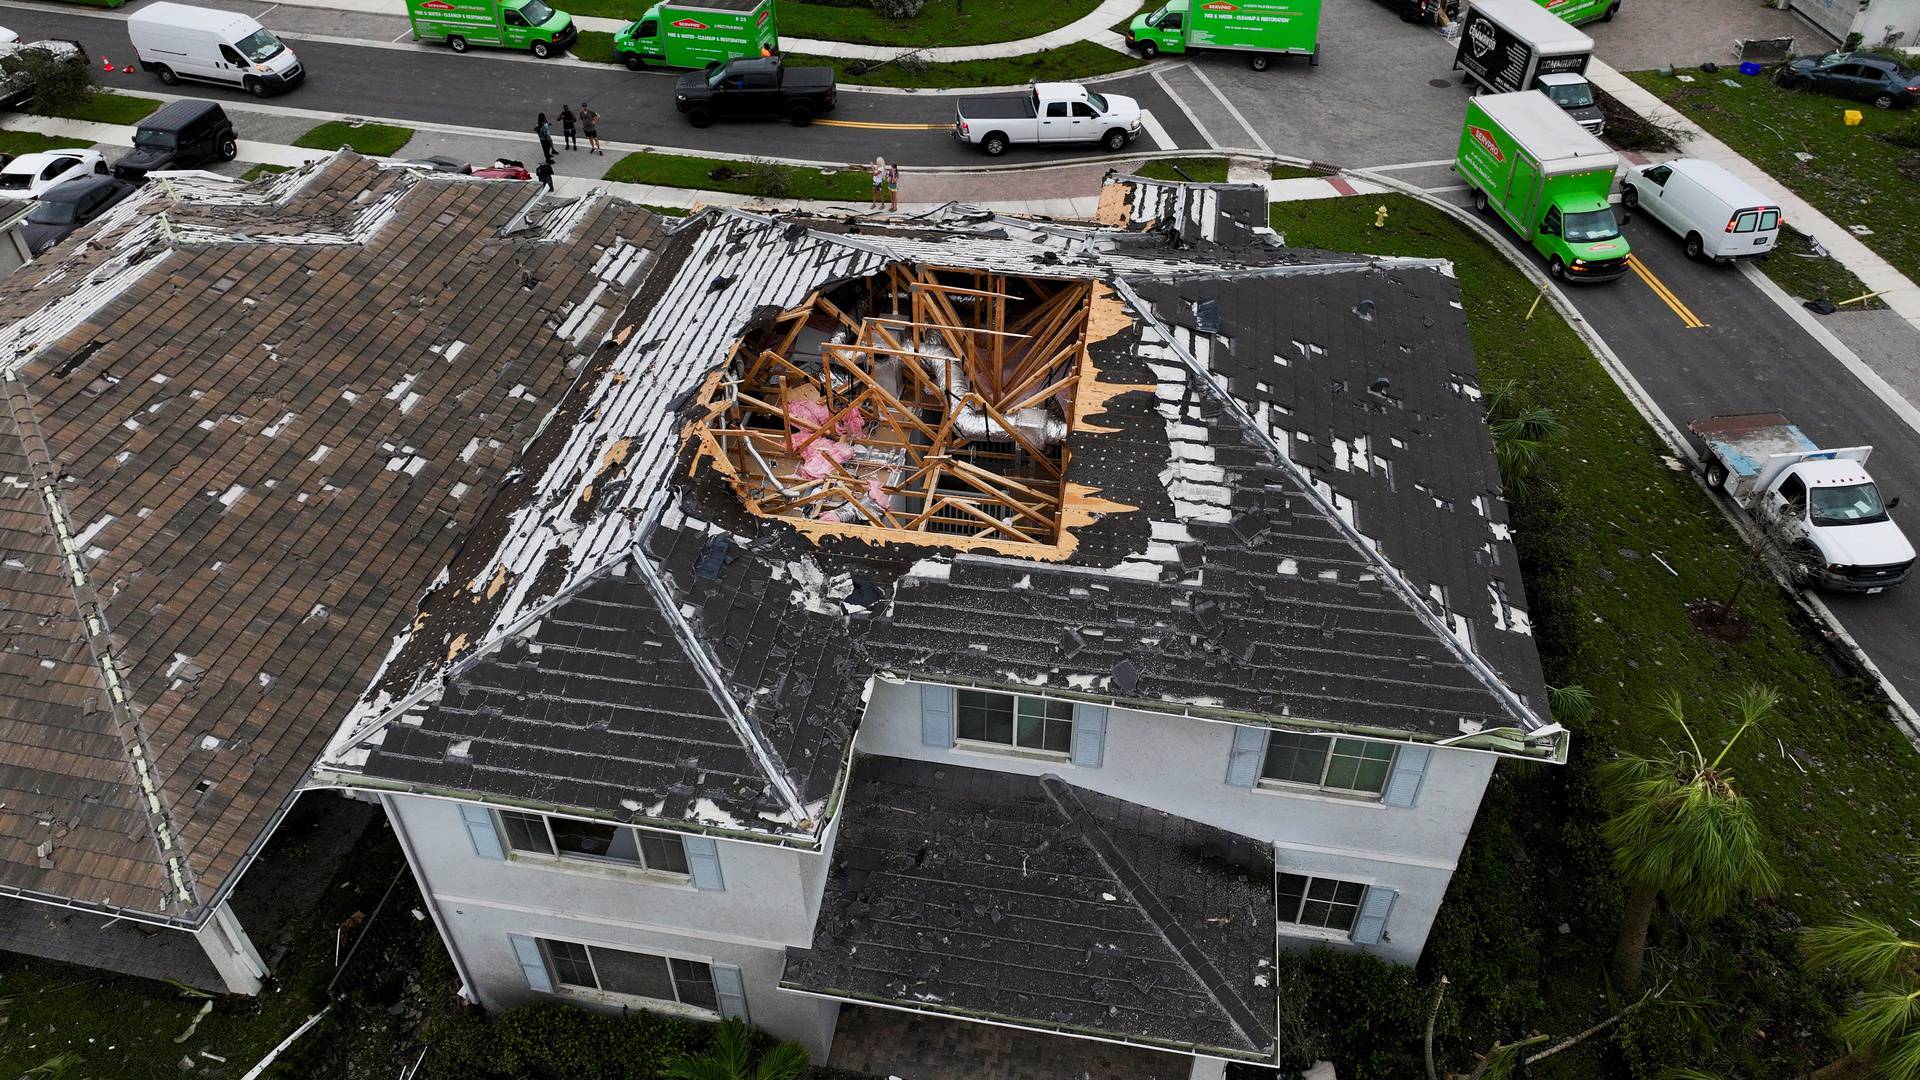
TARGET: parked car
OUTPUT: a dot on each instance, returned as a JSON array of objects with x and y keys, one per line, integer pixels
[
  {"x": 8, "y": 37},
  {"x": 179, "y": 135},
  {"x": 11, "y": 53},
  {"x": 1422, "y": 11},
  {"x": 178, "y": 41},
  {"x": 1718, "y": 215},
  {"x": 758, "y": 87},
  {"x": 1888, "y": 84},
  {"x": 30, "y": 175},
  {"x": 57, "y": 214},
  {"x": 1049, "y": 112}
]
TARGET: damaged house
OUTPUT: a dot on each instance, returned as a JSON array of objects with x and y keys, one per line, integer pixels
[{"x": 1014, "y": 622}]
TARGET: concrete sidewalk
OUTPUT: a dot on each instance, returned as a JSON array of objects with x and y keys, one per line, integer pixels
[
  {"x": 1896, "y": 289},
  {"x": 1092, "y": 27}
]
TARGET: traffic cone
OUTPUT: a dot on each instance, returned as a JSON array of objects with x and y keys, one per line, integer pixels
[
  {"x": 126, "y": 69},
  {"x": 106, "y": 65}
]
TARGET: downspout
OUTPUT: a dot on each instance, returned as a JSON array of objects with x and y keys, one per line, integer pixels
[{"x": 467, "y": 989}]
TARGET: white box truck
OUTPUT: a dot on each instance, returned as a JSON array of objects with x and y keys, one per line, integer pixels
[
  {"x": 178, "y": 41},
  {"x": 1822, "y": 501},
  {"x": 1512, "y": 45}
]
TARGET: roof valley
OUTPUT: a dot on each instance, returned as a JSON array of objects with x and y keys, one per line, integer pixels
[{"x": 1067, "y": 800}]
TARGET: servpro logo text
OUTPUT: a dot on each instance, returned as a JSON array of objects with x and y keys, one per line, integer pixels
[
  {"x": 762, "y": 20},
  {"x": 437, "y": 5},
  {"x": 1480, "y": 37},
  {"x": 1218, "y": 5},
  {"x": 689, "y": 24},
  {"x": 1485, "y": 139}
]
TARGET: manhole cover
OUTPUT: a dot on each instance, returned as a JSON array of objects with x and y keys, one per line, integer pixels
[{"x": 1441, "y": 83}]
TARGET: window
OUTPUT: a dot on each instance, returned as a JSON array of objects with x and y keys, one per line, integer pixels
[
  {"x": 1793, "y": 491},
  {"x": 1550, "y": 225},
  {"x": 1081, "y": 108},
  {"x": 1346, "y": 765},
  {"x": 1658, "y": 175},
  {"x": 1769, "y": 219},
  {"x": 1174, "y": 20},
  {"x": 230, "y": 56},
  {"x": 592, "y": 841},
  {"x": 514, "y": 18},
  {"x": 1056, "y": 108},
  {"x": 1745, "y": 221},
  {"x": 1022, "y": 722},
  {"x": 648, "y": 28},
  {"x": 1319, "y": 902},
  {"x": 634, "y": 974}
]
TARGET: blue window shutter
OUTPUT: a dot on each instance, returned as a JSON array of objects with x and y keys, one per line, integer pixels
[
  {"x": 936, "y": 716},
  {"x": 1243, "y": 764},
  {"x": 1409, "y": 768},
  {"x": 730, "y": 992},
  {"x": 703, "y": 862},
  {"x": 532, "y": 964},
  {"x": 1371, "y": 924},
  {"x": 480, "y": 830},
  {"x": 1089, "y": 735}
]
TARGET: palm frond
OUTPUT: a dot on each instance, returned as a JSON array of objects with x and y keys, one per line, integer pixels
[
  {"x": 1570, "y": 702},
  {"x": 1901, "y": 1060},
  {"x": 1880, "y": 1018},
  {"x": 784, "y": 1062},
  {"x": 700, "y": 1068},
  {"x": 1861, "y": 948}
]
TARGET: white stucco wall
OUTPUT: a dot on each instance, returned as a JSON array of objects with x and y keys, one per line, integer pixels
[
  {"x": 771, "y": 897},
  {"x": 1179, "y": 765}
]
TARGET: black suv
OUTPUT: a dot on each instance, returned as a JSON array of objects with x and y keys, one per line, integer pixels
[
  {"x": 179, "y": 135},
  {"x": 1889, "y": 84}
]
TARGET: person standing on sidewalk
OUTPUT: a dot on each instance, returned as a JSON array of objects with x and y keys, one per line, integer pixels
[
  {"x": 879, "y": 172},
  {"x": 545, "y": 131},
  {"x": 566, "y": 128},
  {"x": 590, "y": 126},
  {"x": 893, "y": 184}
]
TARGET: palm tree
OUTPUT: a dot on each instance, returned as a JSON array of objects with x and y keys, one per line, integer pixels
[
  {"x": 1683, "y": 832},
  {"x": 731, "y": 1058},
  {"x": 1882, "y": 1025},
  {"x": 1520, "y": 432}
]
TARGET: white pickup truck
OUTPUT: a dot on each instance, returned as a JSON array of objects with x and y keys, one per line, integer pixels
[
  {"x": 1822, "y": 499},
  {"x": 1050, "y": 112}
]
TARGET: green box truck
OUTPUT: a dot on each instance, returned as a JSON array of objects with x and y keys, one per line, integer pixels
[
  {"x": 533, "y": 25},
  {"x": 693, "y": 35},
  {"x": 1548, "y": 178},
  {"x": 1263, "y": 29},
  {"x": 1582, "y": 11}
]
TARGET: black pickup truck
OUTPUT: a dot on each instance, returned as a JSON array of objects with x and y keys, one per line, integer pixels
[{"x": 760, "y": 87}]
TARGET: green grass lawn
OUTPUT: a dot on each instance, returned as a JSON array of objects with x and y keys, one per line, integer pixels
[
  {"x": 1280, "y": 171},
  {"x": 1080, "y": 60},
  {"x": 595, "y": 46},
  {"x": 15, "y": 143},
  {"x": 1851, "y": 176},
  {"x": 676, "y": 170},
  {"x": 1146, "y": 7},
  {"x": 941, "y": 22},
  {"x": 374, "y": 140},
  {"x": 1199, "y": 170},
  {"x": 111, "y": 109},
  {"x": 261, "y": 170},
  {"x": 1829, "y": 778}
]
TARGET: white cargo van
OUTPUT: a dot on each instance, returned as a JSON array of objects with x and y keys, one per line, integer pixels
[
  {"x": 176, "y": 41},
  {"x": 1716, "y": 214}
]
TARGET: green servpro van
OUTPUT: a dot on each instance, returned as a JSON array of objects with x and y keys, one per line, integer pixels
[
  {"x": 698, "y": 33},
  {"x": 1582, "y": 11},
  {"x": 1548, "y": 178},
  {"x": 534, "y": 25},
  {"x": 1263, "y": 29}
]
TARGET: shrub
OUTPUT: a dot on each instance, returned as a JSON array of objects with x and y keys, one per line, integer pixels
[
  {"x": 49, "y": 83},
  {"x": 1370, "y": 1013},
  {"x": 898, "y": 9}
]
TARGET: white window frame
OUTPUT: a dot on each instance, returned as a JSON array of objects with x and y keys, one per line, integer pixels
[
  {"x": 1262, "y": 780},
  {"x": 1299, "y": 929},
  {"x": 675, "y": 1006},
  {"x": 1014, "y": 748},
  {"x": 554, "y": 855}
]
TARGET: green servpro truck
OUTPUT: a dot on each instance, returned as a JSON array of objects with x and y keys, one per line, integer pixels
[
  {"x": 1263, "y": 29},
  {"x": 534, "y": 25},
  {"x": 698, "y": 33},
  {"x": 1582, "y": 11},
  {"x": 1548, "y": 178}
]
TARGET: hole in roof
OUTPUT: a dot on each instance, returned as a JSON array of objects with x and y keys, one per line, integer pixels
[{"x": 922, "y": 400}]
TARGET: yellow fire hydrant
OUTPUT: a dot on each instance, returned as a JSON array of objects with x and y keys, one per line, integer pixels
[{"x": 1380, "y": 218}]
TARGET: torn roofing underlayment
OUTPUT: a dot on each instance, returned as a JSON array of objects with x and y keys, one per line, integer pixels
[
  {"x": 1027, "y": 900},
  {"x": 1251, "y": 484},
  {"x": 246, "y": 426}
]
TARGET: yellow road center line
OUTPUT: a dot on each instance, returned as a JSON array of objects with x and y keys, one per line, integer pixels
[
  {"x": 1666, "y": 295},
  {"x": 877, "y": 126}
]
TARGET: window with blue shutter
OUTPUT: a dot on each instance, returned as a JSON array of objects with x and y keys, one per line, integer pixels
[
  {"x": 936, "y": 716},
  {"x": 703, "y": 862},
  {"x": 1371, "y": 925},
  {"x": 1409, "y": 769},
  {"x": 1089, "y": 735},
  {"x": 480, "y": 830},
  {"x": 1243, "y": 763},
  {"x": 532, "y": 964},
  {"x": 730, "y": 991}
]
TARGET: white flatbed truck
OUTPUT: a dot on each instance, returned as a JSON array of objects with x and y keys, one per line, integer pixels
[{"x": 1824, "y": 501}]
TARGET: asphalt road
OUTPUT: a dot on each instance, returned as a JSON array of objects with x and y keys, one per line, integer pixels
[
  {"x": 434, "y": 85},
  {"x": 1750, "y": 356}
]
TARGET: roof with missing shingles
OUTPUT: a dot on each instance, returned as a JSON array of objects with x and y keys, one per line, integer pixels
[{"x": 1307, "y": 531}]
